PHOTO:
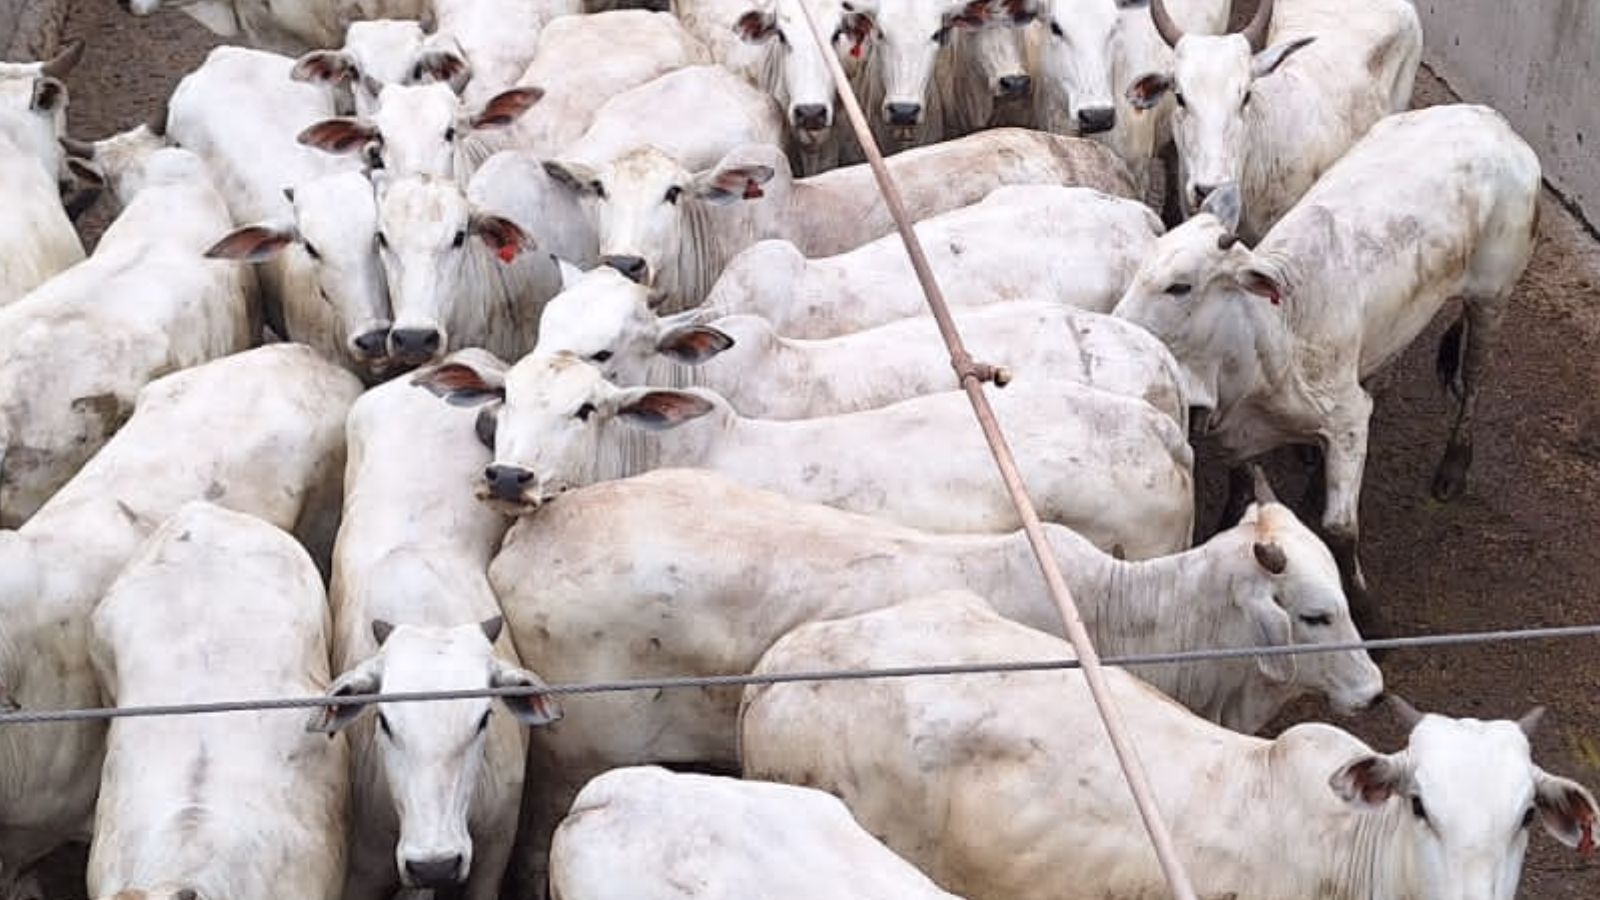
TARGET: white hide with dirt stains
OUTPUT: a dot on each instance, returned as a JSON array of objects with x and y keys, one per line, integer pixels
[
  {"x": 320, "y": 281},
  {"x": 217, "y": 606},
  {"x": 76, "y": 351},
  {"x": 607, "y": 319},
  {"x": 414, "y": 549},
  {"x": 1082, "y": 250},
  {"x": 209, "y": 432},
  {"x": 1276, "y": 343},
  {"x": 686, "y": 225},
  {"x": 646, "y": 833},
  {"x": 951, "y": 772}
]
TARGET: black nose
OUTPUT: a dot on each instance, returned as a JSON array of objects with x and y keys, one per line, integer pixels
[
  {"x": 1096, "y": 119},
  {"x": 435, "y": 873},
  {"x": 635, "y": 268},
  {"x": 811, "y": 117},
  {"x": 904, "y": 113},
  {"x": 414, "y": 345},
  {"x": 373, "y": 344},
  {"x": 506, "y": 482},
  {"x": 1015, "y": 87}
]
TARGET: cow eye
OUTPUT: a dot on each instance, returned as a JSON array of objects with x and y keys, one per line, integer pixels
[
  {"x": 1055, "y": 29},
  {"x": 383, "y": 725},
  {"x": 1182, "y": 103},
  {"x": 601, "y": 357},
  {"x": 1318, "y": 621},
  {"x": 942, "y": 36},
  {"x": 1179, "y": 289},
  {"x": 598, "y": 188},
  {"x": 459, "y": 239},
  {"x": 1246, "y": 101},
  {"x": 450, "y": 133},
  {"x": 1418, "y": 810},
  {"x": 584, "y": 412},
  {"x": 383, "y": 241},
  {"x": 483, "y": 723},
  {"x": 312, "y": 252},
  {"x": 673, "y": 193}
]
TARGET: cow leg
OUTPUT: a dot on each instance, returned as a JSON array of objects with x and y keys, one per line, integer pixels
[
  {"x": 1172, "y": 213},
  {"x": 1344, "y": 463},
  {"x": 1467, "y": 347}
]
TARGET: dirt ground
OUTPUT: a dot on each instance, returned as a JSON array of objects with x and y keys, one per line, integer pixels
[{"x": 1518, "y": 551}]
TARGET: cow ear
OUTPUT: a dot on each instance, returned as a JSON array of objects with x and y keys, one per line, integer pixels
[
  {"x": 1147, "y": 90},
  {"x": 506, "y": 107},
  {"x": 757, "y": 26},
  {"x": 324, "y": 67},
  {"x": 1567, "y": 810},
  {"x": 49, "y": 95},
  {"x": 1267, "y": 61},
  {"x": 659, "y": 410},
  {"x": 252, "y": 243},
  {"x": 576, "y": 177},
  {"x": 446, "y": 64},
  {"x": 339, "y": 136},
  {"x": 730, "y": 183},
  {"x": 364, "y": 680},
  {"x": 533, "y": 709},
  {"x": 1370, "y": 781},
  {"x": 1261, "y": 284},
  {"x": 461, "y": 384},
  {"x": 1226, "y": 204},
  {"x": 570, "y": 274},
  {"x": 86, "y": 173},
  {"x": 505, "y": 237},
  {"x": 693, "y": 344}
]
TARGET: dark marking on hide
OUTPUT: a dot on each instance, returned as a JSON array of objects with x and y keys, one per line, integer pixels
[
  {"x": 215, "y": 492},
  {"x": 107, "y": 408},
  {"x": 193, "y": 812}
]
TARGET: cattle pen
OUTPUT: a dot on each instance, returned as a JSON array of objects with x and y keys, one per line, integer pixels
[{"x": 1465, "y": 579}]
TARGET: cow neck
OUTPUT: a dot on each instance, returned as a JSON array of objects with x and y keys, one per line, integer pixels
[
  {"x": 624, "y": 450},
  {"x": 705, "y": 248},
  {"x": 1363, "y": 854},
  {"x": 1143, "y": 598}
]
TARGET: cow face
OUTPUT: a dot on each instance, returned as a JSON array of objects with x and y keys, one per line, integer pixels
[
  {"x": 334, "y": 237},
  {"x": 431, "y": 753},
  {"x": 1289, "y": 592},
  {"x": 1002, "y": 61},
  {"x": 435, "y": 245},
  {"x": 910, "y": 35},
  {"x": 643, "y": 204},
  {"x": 562, "y": 425},
  {"x": 33, "y": 112},
  {"x": 375, "y": 53},
  {"x": 804, "y": 86},
  {"x": 1464, "y": 796},
  {"x": 1213, "y": 84},
  {"x": 605, "y": 318},
  {"x": 1079, "y": 58}
]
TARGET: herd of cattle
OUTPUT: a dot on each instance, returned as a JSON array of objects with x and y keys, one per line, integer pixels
[{"x": 573, "y": 344}]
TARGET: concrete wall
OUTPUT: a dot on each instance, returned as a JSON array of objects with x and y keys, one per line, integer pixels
[{"x": 1536, "y": 62}]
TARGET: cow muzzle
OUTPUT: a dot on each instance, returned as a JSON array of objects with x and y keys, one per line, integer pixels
[
  {"x": 434, "y": 874},
  {"x": 509, "y": 489},
  {"x": 415, "y": 346},
  {"x": 903, "y": 115},
  {"x": 1097, "y": 119},
  {"x": 811, "y": 117},
  {"x": 634, "y": 268},
  {"x": 1015, "y": 87},
  {"x": 370, "y": 346}
]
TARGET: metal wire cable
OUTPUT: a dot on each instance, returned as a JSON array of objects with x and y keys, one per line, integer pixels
[{"x": 56, "y": 716}]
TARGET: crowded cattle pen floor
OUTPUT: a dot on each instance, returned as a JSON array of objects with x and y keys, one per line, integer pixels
[{"x": 1517, "y": 551}]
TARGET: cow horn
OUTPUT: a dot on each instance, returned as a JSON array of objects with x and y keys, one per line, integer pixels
[
  {"x": 1264, "y": 492},
  {"x": 75, "y": 147},
  {"x": 65, "y": 61},
  {"x": 1408, "y": 715},
  {"x": 1530, "y": 722},
  {"x": 1256, "y": 31},
  {"x": 1165, "y": 26}
]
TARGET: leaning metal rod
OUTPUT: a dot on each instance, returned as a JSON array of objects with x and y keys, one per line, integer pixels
[{"x": 972, "y": 377}]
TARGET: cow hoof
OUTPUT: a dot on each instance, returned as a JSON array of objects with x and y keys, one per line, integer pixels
[{"x": 1450, "y": 482}]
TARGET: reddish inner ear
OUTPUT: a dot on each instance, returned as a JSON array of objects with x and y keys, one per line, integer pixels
[
  {"x": 1263, "y": 287},
  {"x": 455, "y": 377}
]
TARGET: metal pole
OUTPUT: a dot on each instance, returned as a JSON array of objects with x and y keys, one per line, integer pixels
[{"x": 972, "y": 376}]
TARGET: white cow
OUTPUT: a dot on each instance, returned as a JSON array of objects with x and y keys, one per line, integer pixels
[
  {"x": 1276, "y": 343},
  {"x": 499, "y": 38},
  {"x": 378, "y": 53},
  {"x": 743, "y": 566},
  {"x": 283, "y": 26},
  {"x": 1086, "y": 53},
  {"x": 634, "y": 834},
  {"x": 1005, "y": 787},
  {"x": 1335, "y": 66},
  {"x": 37, "y": 239},
  {"x": 607, "y": 319},
  {"x": 76, "y": 351},
  {"x": 313, "y": 217},
  {"x": 218, "y": 605},
  {"x": 204, "y": 433},
  {"x": 436, "y": 790},
  {"x": 679, "y": 228},
  {"x": 1082, "y": 250},
  {"x": 1113, "y": 467}
]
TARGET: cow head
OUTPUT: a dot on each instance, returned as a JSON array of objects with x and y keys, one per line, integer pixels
[
  {"x": 558, "y": 427},
  {"x": 431, "y": 753},
  {"x": 123, "y": 162},
  {"x": 33, "y": 109},
  {"x": 804, "y": 85},
  {"x": 1212, "y": 84},
  {"x": 606, "y": 318},
  {"x": 434, "y": 244},
  {"x": 642, "y": 203},
  {"x": 375, "y": 53},
  {"x": 421, "y": 130},
  {"x": 1208, "y": 298},
  {"x": 334, "y": 233},
  {"x": 1286, "y": 585},
  {"x": 1464, "y": 795},
  {"x": 1080, "y": 57}
]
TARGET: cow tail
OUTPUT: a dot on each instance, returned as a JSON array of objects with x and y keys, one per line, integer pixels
[{"x": 1448, "y": 363}]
